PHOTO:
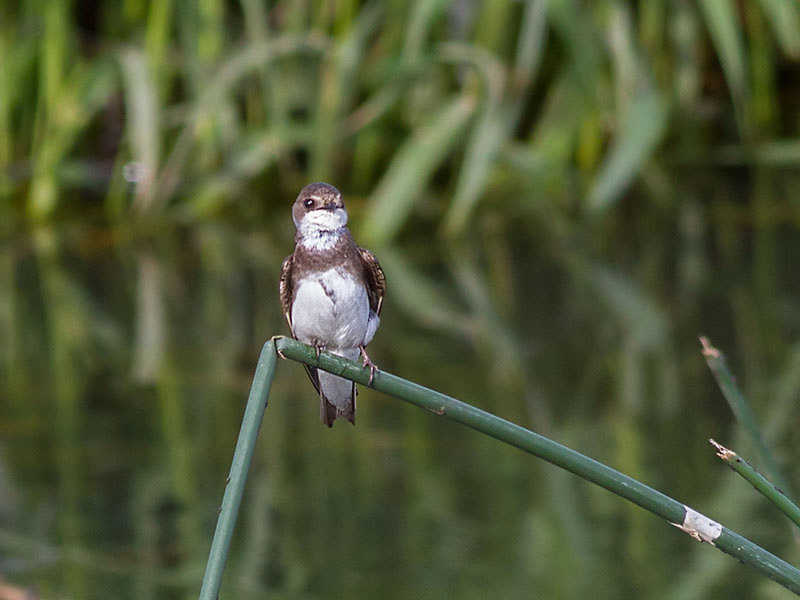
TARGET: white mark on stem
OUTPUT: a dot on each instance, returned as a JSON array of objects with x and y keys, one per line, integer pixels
[{"x": 699, "y": 526}]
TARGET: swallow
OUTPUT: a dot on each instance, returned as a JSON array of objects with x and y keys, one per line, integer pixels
[{"x": 331, "y": 293}]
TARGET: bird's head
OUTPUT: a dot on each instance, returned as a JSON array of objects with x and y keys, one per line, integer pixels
[{"x": 319, "y": 208}]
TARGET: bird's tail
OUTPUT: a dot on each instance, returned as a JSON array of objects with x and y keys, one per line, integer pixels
[{"x": 337, "y": 398}]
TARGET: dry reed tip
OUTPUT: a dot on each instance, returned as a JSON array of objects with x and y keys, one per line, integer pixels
[
  {"x": 708, "y": 349},
  {"x": 722, "y": 451}
]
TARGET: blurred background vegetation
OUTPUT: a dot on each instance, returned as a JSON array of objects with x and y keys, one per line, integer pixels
[{"x": 563, "y": 195}]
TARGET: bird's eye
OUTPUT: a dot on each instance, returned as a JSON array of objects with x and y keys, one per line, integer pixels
[{"x": 308, "y": 202}]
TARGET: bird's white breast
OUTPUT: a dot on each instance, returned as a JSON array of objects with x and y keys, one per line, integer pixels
[{"x": 331, "y": 307}]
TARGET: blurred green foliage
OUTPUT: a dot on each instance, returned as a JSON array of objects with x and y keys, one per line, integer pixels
[
  {"x": 563, "y": 194},
  {"x": 431, "y": 109}
]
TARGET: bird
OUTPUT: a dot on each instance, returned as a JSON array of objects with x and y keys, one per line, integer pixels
[{"x": 331, "y": 292}]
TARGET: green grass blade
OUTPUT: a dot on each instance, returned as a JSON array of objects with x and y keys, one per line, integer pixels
[
  {"x": 53, "y": 53},
  {"x": 758, "y": 481},
  {"x": 784, "y": 17},
  {"x": 785, "y": 393},
  {"x": 424, "y": 299},
  {"x": 531, "y": 42},
  {"x": 492, "y": 22},
  {"x": 141, "y": 100},
  {"x": 641, "y": 132},
  {"x": 150, "y": 329},
  {"x": 726, "y": 35},
  {"x": 412, "y": 167},
  {"x": 83, "y": 93},
  {"x": 636, "y": 311},
  {"x": 256, "y": 24},
  {"x": 337, "y": 87},
  {"x": 687, "y": 66},
  {"x": 156, "y": 37},
  {"x": 577, "y": 31},
  {"x": 423, "y": 16},
  {"x": 485, "y": 139},
  {"x": 225, "y": 78}
]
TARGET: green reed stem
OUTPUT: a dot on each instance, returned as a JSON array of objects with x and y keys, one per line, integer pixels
[
  {"x": 741, "y": 409},
  {"x": 242, "y": 457},
  {"x": 758, "y": 481},
  {"x": 674, "y": 512},
  {"x": 689, "y": 521}
]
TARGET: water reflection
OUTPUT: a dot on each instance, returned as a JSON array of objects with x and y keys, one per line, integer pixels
[{"x": 127, "y": 360}]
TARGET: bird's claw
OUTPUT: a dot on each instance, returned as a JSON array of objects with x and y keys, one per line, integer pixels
[
  {"x": 366, "y": 362},
  {"x": 318, "y": 348}
]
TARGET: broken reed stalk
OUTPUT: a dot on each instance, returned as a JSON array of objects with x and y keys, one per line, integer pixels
[
  {"x": 773, "y": 493},
  {"x": 741, "y": 409},
  {"x": 691, "y": 522}
]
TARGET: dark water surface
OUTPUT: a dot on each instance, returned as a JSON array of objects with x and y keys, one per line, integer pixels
[{"x": 128, "y": 355}]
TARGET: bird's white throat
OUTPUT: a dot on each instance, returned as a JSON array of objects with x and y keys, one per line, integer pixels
[{"x": 320, "y": 229}]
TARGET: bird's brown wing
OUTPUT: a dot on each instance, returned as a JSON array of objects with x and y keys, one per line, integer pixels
[
  {"x": 286, "y": 292},
  {"x": 376, "y": 280},
  {"x": 286, "y": 289}
]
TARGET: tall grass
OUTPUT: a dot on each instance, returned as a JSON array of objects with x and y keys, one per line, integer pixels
[{"x": 589, "y": 93}]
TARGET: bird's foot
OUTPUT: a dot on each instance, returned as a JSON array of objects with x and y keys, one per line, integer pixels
[
  {"x": 319, "y": 347},
  {"x": 366, "y": 362},
  {"x": 278, "y": 351}
]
